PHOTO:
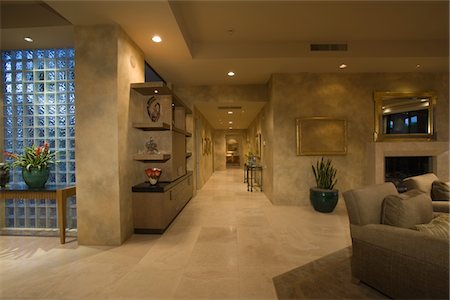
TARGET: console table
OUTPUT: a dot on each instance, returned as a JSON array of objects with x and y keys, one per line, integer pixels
[
  {"x": 58, "y": 192},
  {"x": 250, "y": 176}
]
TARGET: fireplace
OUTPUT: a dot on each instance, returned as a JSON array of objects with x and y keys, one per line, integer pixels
[{"x": 398, "y": 168}]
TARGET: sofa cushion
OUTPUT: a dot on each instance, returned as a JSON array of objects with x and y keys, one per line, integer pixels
[
  {"x": 440, "y": 191},
  {"x": 404, "y": 211},
  {"x": 438, "y": 227},
  {"x": 420, "y": 182}
]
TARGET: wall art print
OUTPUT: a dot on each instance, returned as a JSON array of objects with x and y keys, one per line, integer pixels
[{"x": 153, "y": 109}]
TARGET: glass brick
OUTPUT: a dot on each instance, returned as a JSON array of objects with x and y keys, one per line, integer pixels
[
  {"x": 40, "y": 110},
  {"x": 19, "y": 121},
  {"x": 20, "y": 211},
  {"x": 61, "y": 64},
  {"x": 51, "y": 132},
  {"x": 61, "y": 121},
  {"x": 50, "y": 87},
  {"x": 10, "y": 222},
  {"x": 31, "y": 222},
  {"x": 19, "y": 144},
  {"x": 71, "y": 87},
  {"x": 52, "y": 223},
  {"x": 18, "y": 99},
  {"x": 8, "y": 133},
  {"x": 8, "y": 88},
  {"x": 8, "y": 66},
  {"x": 39, "y": 64},
  {"x": 30, "y": 99},
  {"x": 40, "y": 121},
  {"x": 39, "y": 87},
  {"x": 40, "y": 75},
  {"x": 72, "y": 178},
  {"x": 71, "y": 131},
  {"x": 71, "y": 98},
  {"x": 10, "y": 211},
  {"x": 29, "y": 110},
  {"x": 8, "y": 77},
  {"x": 18, "y": 77},
  {"x": 62, "y": 98},
  {"x": 40, "y": 99},
  {"x": 30, "y": 88},
  {"x": 72, "y": 120},
  {"x": 18, "y": 66},
  {"x": 61, "y": 86},
  {"x": 40, "y": 54},
  {"x": 29, "y": 76},
  {"x": 51, "y": 75},
  {"x": 71, "y": 64},
  {"x": 8, "y": 99},
  {"x": 20, "y": 203},
  {"x": 50, "y": 53},
  {"x": 19, "y": 133},
  {"x": 71, "y": 109},
  {"x": 50, "y": 98},
  {"x": 71, "y": 166},
  {"x": 8, "y": 144},
  {"x": 18, "y": 54},
  {"x": 51, "y": 64},
  {"x": 71, "y": 53},
  {"x": 32, "y": 203},
  {"x": 61, "y": 155},
  {"x": 19, "y": 88},
  {"x": 8, "y": 110},
  {"x": 52, "y": 144},
  {"x": 20, "y": 222},
  {"x": 71, "y": 154},
  {"x": 61, "y": 75},
  {"x": 51, "y": 121},
  {"x": 51, "y": 178},
  {"x": 71, "y": 75},
  {"x": 63, "y": 178},
  {"x": 61, "y": 144},
  {"x": 6, "y": 55},
  {"x": 19, "y": 110},
  {"x": 40, "y": 132},
  {"x": 29, "y": 54},
  {"x": 29, "y": 65},
  {"x": 62, "y": 167},
  {"x": 29, "y": 121},
  {"x": 62, "y": 109},
  {"x": 41, "y": 223}
]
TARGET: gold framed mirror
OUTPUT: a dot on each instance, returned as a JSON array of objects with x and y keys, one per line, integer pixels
[{"x": 404, "y": 116}]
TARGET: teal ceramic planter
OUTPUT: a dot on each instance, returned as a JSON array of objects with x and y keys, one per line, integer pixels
[
  {"x": 323, "y": 200},
  {"x": 35, "y": 178}
]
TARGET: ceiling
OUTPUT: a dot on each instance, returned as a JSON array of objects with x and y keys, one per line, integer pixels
[{"x": 203, "y": 40}]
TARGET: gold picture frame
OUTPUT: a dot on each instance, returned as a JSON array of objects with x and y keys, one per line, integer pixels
[{"x": 321, "y": 136}]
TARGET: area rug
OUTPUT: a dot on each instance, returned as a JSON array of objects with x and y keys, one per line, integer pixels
[{"x": 326, "y": 278}]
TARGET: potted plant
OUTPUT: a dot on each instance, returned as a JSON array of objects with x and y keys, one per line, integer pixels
[
  {"x": 4, "y": 174},
  {"x": 324, "y": 197},
  {"x": 34, "y": 162}
]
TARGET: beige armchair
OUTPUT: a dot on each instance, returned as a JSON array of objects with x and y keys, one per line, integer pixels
[
  {"x": 399, "y": 262},
  {"x": 423, "y": 183}
]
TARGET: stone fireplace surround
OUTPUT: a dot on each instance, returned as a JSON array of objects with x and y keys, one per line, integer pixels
[{"x": 377, "y": 152}]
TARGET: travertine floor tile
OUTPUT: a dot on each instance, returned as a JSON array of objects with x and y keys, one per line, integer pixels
[{"x": 227, "y": 243}]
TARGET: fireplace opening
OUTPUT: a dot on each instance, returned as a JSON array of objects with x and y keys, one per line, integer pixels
[{"x": 398, "y": 168}]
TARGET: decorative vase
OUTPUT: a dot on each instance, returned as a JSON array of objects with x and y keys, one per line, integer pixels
[
  {"x": 4, "y": 178},
  {"x": 35, "y": 178},
  {"x": 153, "y": 175},
  {"x": 323, "y": 200}
]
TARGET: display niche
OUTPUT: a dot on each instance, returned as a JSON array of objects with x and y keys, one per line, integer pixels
[{"x": 162, "y": 116}]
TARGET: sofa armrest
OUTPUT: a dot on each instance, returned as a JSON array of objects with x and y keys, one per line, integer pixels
[
  {"x": 441, "y": 206},
  {"x": 407, "y": 242}
]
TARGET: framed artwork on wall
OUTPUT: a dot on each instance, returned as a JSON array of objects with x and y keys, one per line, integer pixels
[
  {"x": 258, "y": 145},
  {"x": 321, "y": 136}
]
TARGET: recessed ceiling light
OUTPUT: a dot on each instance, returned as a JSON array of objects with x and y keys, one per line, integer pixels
[
  {"x": 156, "y": 39},
  {"x": 156, "y": 91},
  {"x": 230, "y": 127},
  {"x": 231, "y": 122},
  {"x": 342, "y": 66},
  {"x": 28, "y": 39},
  {"x": 418, "y": 66},
  {"x": 231, "y": 73},
  {"x": 230, "y": 112}
]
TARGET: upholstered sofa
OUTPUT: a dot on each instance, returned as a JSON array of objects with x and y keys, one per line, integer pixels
[
  {"x": 424, "y": 183},
  {"x": 399, "y": 262}
]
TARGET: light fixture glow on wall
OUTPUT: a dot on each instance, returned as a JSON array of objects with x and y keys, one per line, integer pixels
[
  {"x": 28, "y": 39},
  {"x": 230, "y": 128},
  {"x": 230, "y": 112},
  {"x": 231, "y": 74},
  {"x": 342, "y": 66},
  {"x": 156, "y": 39},
  {"x": 231, "y": 122}
]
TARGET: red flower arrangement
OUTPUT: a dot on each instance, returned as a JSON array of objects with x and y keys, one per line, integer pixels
[{"x": 36, "y": 157}]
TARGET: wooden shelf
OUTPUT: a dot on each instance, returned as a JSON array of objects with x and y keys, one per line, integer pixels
[
  {"x": 150, "y": 126},
  {"x": 151, "y": 157},
  {"x": 181, "y": 131},
  {"x": 158, "y": 88}
]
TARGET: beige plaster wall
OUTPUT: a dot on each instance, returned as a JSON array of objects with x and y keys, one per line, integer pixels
[
  {"x": 104, "y": 69},
  {"x": 205, "y": 163},
  {"x": 220, "y": 147},
  {"x": 347, "y": 96}
]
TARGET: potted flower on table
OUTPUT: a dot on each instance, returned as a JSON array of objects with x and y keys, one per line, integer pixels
[{"x": 35, "y": 163}]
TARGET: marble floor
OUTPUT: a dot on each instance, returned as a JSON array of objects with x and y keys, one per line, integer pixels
[{"x": 226, "y": 244}]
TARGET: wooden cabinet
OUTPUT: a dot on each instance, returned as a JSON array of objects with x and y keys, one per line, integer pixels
[{"x": 162, "y": 116}]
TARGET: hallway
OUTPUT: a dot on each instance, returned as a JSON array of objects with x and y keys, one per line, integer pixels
[{"x": 226, "y": 243}]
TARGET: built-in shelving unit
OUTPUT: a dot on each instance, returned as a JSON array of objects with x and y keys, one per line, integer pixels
[{"x": 162, "y": 116}]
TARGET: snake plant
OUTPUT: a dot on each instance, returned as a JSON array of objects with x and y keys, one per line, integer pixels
[{"x": 325, "y": 174}]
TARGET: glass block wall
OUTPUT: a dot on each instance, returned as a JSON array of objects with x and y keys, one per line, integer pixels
[{"x": 39, "y": 106}]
